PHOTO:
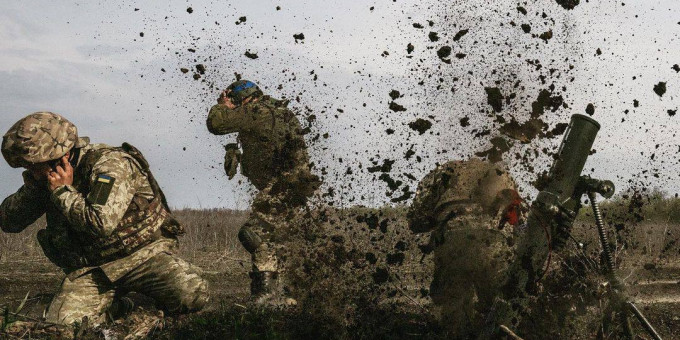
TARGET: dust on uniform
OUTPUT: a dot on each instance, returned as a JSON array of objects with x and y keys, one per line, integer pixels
[
  {"x": 275, "y": 160},
  {"x": 472, "y": 209}
]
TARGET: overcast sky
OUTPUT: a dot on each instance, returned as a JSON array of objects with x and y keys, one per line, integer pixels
[{"x": 113, "y": 68}]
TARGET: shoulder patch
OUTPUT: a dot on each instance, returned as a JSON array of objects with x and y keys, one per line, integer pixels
[
  {"x": 100, "y": 191},
  {"x": 104, "y": 179}
]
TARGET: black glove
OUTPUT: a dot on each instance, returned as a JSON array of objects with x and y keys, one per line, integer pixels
[
  {"x": 557, "y": 219},
  {"x": 561, "y": 229},
  {"x": 231, "y": 159}
]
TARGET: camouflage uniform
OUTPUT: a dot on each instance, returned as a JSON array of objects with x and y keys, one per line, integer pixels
[
  {"x": 472, "y": 208},
  {"x": 110, "y": 231},
  {"x": 275, "y": 160}
]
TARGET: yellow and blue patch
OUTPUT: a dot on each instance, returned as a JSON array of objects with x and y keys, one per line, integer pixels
[
  {"x": 101, "y": 189},
  {"x": 104, "y": 179}
]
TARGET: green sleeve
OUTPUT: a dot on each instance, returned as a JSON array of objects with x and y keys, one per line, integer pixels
[
  {"x": 22, "y": 208},
  {"x": 222, "y": 120}
]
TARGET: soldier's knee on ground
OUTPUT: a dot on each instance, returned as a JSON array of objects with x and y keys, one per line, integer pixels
[
  {"x": 175, "y": 284},
  {"x": 190, "y": 293},
  {"x": 89, "y": 296},
  {"x": 195, "y": 297}
]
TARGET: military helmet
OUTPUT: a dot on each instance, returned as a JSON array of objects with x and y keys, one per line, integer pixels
[
  {"x": 37, "y": 138},
  {"x": 242, "y": 89},
  {"x": 460, "y": 184}
]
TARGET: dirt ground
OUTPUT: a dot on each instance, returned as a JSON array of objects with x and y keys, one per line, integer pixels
[{"x": 394, "y": 306}]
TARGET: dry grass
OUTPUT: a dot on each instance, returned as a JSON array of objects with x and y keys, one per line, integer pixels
[
  {"x": 211, "y": 237},
  {"x": 24, "y": 244},
  {"x": 637, "y": 206},
  {"x": 211, "y": 234},
  {"x": 644, "y": 225},
  {"x": 350, "y": 235}
]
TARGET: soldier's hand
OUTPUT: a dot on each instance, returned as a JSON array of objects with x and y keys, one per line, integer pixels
[
  {"x": 231, "y": 159},
  {"x": 63, "y": 175},
  {"x": 225, "y": 100},
  {"x": 222, "y": 97},
  {"x": 564, "y": 221},
  {"x": 560, "y": 221}
]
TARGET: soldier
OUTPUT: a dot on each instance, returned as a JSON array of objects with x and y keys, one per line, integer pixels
[
  {"x": 477, "y": 217},
  {"x": 108, "y": 224},
  {"x": 275, "y": 160},
  {"x": 472, "y": 207}
]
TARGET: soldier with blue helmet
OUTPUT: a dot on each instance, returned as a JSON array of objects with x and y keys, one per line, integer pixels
[{"x": 275, "y": 160}]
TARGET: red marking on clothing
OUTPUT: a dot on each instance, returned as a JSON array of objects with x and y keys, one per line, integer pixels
[{"x": 512, "y": 212}]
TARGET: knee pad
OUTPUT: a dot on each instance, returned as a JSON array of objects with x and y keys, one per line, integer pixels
[{"x": 249, "y": 239}]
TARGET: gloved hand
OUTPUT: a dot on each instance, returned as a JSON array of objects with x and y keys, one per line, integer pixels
[
  {"x": 562, "y": 225},
  {"x": 556, "y": 218},
  {"x": 231, "y": 159}
]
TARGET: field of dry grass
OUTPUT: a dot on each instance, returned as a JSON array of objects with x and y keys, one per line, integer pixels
[
  {"x": 208, "y": 232},
  {"x": 383, "y": 258}
]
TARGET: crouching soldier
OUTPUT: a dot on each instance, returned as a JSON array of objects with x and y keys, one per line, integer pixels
[
  {"x": 472, "y": 208},
  {"x": 276, "y": 162},
  {"x": 108, "y": 223}
]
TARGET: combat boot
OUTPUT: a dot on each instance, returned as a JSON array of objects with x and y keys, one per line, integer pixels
[{"x": 266, "y": 291}]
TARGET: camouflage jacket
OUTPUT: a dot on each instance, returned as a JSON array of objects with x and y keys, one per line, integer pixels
[
  {"x": 467, "y": 194},
  {"x": 271, "y": 138},
  {"x": 76, "y": 221}
]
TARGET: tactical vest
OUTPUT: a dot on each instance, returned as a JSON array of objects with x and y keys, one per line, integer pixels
[{"x": 144, "y": 221}]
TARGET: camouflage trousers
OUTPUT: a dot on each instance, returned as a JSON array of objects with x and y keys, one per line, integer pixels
[
  {"x": 175, "y": 284},
  {"x": 267, "y": 226},
  {"x": 470, "y": 268}
]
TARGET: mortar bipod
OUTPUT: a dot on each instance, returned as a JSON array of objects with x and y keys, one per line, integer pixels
[{"x": 619, "y": 298}]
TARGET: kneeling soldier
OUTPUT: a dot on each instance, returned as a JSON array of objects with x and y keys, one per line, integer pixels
[
  {"x": 472, "y": 208},
  {"x": 108, "y": 223}
]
